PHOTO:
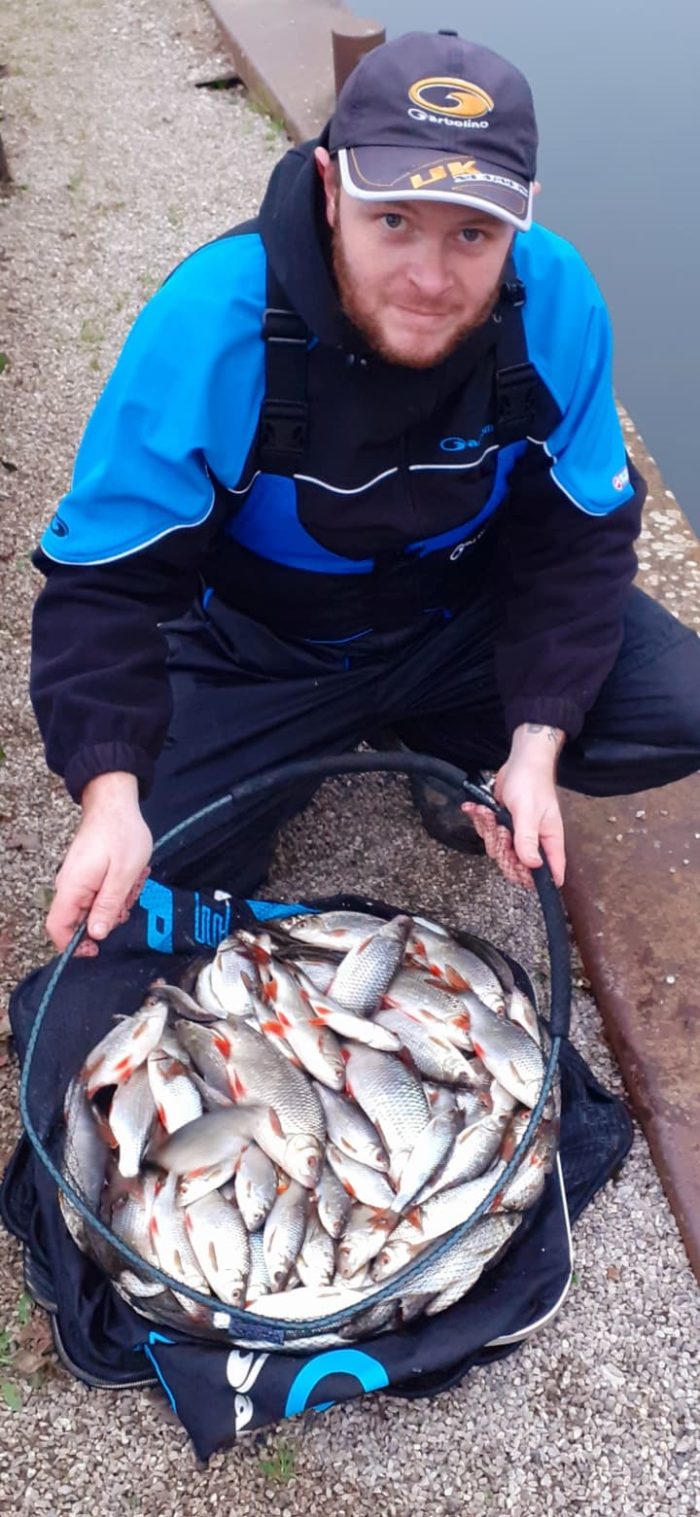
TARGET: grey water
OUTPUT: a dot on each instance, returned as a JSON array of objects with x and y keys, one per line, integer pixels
[{"x": 617, "y": 94}]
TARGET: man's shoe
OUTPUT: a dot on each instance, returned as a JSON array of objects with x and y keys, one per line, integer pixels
[
  {"x": 437, "y": 804},
  {"x": 440, "y": 814}
]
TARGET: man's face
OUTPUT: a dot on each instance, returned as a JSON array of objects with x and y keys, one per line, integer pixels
[{"x": 414, "y": 277}]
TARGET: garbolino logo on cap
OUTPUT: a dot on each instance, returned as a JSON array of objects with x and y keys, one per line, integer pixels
[{"x": 433, "y": 117}]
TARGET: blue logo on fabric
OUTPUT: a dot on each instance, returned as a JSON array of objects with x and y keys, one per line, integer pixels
[
  {"x": 210, "y": 926},
  {"x": 458, "y": 444},
  {"x": 157, "y": 902},
  {"x": 342, "y": 1361}
]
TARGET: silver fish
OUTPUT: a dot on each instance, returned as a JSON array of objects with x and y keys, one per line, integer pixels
[
  {"x": 259, "y": 1283},
  {"x": 294, "y": 1131},
  {"x": 219, "y": 1240},
  {"x": 368, "y": 968},
  {"x": 131, "y": 1217},
  {"x": 170, "y": 1239},
  {"x": 329, "y": 1014},
  {"x": 474, "y": 1149},
  {"x": 205, "y": 1141},
  {"x": 131, "y": 1118},
  {"x": 455, "y": 966},
  {"x": 444, "y": 1211},
  {"x": 332, "y": 930},
  {"x": 364, "y": 1235},
  {"x": 183, "y": 1003},
  {"x": 391, "y": 1096},
  {"x": 362, "y": 1183},
  {"x": 507, "y": 1051},
  {"x": 462, "y": 1265},
  {"x": 425, "y": 998},
  {"x": 255, "y": 1186},
  {"x": 123, "y": 1049},
  {"x": 203, "y": 1182},
  {"x": 84, "y": 1148},
  {"x": 521, "y": 1011},
  {"x": 433, "y": 1054},
  {"x": 313, "y": 1043},
  {"x": 176, "y": 1097},
  {"x": 316, "y": 1257},
  {"x": 305, "y": 1302},
  {"x": 352, "y": 1131},
  {"x": 284, "y": 1232},
  {"x": 527, "y": 1184},
  {"x": 233, "y": 976},
  {"x": 333, "y": 1201},
  {"x": 434, "y": 1145},
  {"x": 203, "y": 1046}
]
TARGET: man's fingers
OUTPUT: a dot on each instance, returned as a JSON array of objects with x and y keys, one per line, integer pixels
[
  {"x": 108, "y": 904},
  {"x": 68, "y": 909}
]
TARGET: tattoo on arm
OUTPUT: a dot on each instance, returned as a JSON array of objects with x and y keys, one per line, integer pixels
[{"x": 555, "y": 734}]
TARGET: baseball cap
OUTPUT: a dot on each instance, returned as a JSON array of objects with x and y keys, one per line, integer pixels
[{"x": 429, "y": 116}]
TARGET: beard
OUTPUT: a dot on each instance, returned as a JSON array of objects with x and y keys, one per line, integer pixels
[{"x": 366, "y": 318}]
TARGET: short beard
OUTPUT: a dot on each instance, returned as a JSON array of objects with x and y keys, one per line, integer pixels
[{"x": 370, "y": 328}]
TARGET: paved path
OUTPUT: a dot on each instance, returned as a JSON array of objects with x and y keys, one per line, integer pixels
[{"x": 125, "y": 166}]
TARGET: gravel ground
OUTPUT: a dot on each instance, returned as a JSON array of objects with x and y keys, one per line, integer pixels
[{"x": 122, "y": 166}]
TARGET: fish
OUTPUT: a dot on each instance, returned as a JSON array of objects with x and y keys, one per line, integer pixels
[
  {"x": 132, "y": 1115},
  {"x": 125, "y": 1047},
  {"x": 183, "y": 1003},
  {"x": 474, "y": 1148},
  {"x": 175, "y": 1094},
  {"x": 219, "y": 1240},
  {"x": 255, "y": 1186},
  {"x": 304, "y": 1303},
  {"x": 330, "y": 930},
  {"x": 526, "y": 1185},
  {"x": 212, "y": 1177},
  {"x": 455, "y": 966},
  {"x": 521, "y": 1011},
  {"x": 131, "y": 1218},
  {"x": 170, "y": 1240},
  {"x": 203, "y": 1048},
  {"x": 462, "y": 1265},
  {"x": 233, "y": 977},
  {"x": 390, "y": 1095},
  {"x": 284, "y": 1231},
  {"x": 415, "y": 992},
  {"x": 366, "y": 972},
  {"x": 352, "y": 1131},
  {"x": 316, "y": 1257},
  {"x": 293, "y": 1131},
  {"x": 207, "y": 1140},
  {"x": 333, "y": 1202},
  {"x": 365, "y": 1232},
  {"x": 346, "y": 1023},
  {"x": 507, "y": 1051},
  {"x": 433, "y": 1218},
  {"x": 433, "y": 1054},
  {"x": 85, "y": 1151},
  {"x": 362, "y": 1183},
  {"x": 258, "y": 1283},
  {"x": 435, "y": 1143},
  {"x": 291, "y": 1015}
]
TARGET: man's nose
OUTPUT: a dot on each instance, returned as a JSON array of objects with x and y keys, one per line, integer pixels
[{"x": 429, "y": 272}]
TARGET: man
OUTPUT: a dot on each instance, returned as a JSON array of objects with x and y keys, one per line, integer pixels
[{"x": 362, "y": 458}]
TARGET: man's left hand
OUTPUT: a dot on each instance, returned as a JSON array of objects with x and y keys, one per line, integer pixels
[{"x": 526, "y": 784}]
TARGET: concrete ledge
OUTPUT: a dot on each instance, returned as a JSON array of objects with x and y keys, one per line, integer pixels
[{"x": 283, "y": 53}]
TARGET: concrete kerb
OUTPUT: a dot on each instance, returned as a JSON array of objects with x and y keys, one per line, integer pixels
[{"x": 284, "y": 56}]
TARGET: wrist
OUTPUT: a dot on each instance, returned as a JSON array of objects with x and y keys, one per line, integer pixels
[
  {"x": 116, "y": 788},
  {"x": 538, "y": 743}
]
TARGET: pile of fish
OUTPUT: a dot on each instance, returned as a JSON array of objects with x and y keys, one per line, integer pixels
[{"x": 307, "y": 1114}]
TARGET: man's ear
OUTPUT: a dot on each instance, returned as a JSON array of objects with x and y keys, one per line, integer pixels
[{"x": 329, "y": 177}]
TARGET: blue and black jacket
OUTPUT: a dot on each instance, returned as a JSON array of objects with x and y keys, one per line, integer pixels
[{"x": 408, "y": 487}]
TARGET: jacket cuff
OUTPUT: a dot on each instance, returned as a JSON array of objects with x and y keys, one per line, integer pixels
[
  {"x": 549, "y": 710},
  {"x": 108, "y": 758}
]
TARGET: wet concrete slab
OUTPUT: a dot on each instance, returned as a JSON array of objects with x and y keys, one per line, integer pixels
[{"x": 633, "y": 899}]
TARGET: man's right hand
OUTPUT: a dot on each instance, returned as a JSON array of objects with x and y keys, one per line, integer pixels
[{"x": 106, "y": 865}]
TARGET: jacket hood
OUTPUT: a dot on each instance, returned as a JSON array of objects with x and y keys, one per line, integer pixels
[{"x": 296, "y": 237}]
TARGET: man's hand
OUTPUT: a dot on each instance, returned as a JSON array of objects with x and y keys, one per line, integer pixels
[
  {"x": 106, "y": 865},
  {"x": 526, "y": 785}
]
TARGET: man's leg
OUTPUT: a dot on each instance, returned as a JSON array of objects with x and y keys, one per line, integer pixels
[
  {"x": 642, "y": 731},
  {"x": 243, "y": 701}
]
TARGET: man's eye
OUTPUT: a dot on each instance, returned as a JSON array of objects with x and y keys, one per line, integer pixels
[
  {"x": 392, "y": 220},
  {"x": 471, "y": 233}
]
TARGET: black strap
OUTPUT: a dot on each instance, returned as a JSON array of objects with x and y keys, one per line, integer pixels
[
  {"x": 515, "y": 383},
  {"x": 284, "y": 415}
]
